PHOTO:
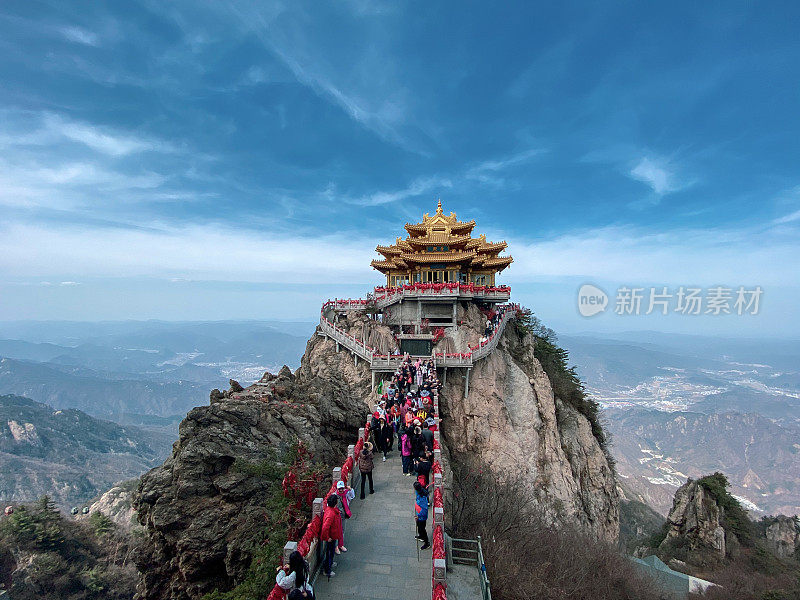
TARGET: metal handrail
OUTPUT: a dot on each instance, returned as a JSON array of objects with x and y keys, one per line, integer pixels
[
  {"x": 375, "y": 359},
  {"x": 476, "y": 561}
]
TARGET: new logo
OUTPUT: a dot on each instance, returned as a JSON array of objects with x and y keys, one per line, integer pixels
[{"x": 591, "y": 300}]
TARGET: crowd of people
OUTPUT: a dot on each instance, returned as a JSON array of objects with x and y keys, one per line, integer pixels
[
  {"x": 493, "y": 322},
  {"x": 403, "y": 411}
]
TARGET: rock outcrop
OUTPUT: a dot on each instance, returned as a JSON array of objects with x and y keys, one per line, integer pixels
[
  {"x": 512, "y": 421},
  {"x": 783, "y": 536},
  {"x": 696, "y": 520},
  {"x": 117, "y": 504},
  {"x": 200, "y": 513}
]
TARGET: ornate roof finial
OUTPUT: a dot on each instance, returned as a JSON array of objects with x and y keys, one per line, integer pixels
[{"x": 439, "y": 207}]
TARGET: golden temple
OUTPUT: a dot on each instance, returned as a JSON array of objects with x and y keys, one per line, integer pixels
[{"x": 441, "y": 249}]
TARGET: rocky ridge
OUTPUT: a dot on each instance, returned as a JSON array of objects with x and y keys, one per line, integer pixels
[{"x": 512, "y": 421}]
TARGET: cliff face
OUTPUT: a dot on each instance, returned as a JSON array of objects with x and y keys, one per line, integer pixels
[
  {"x": 696, "y": 518},
  {"x": 200, "y": 513},
  {"x": 511, "y": 420}
]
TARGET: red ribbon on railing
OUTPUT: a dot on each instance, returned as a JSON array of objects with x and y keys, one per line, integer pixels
[
  {"x": 437, "y": 468},
  {"x": 438, "y": 542},
  {"x": 347, "y": 467},
  {"x": 438, "y": 501},
  {"x": 439, "y": 592},
  {"x": 312, "y": 532}
]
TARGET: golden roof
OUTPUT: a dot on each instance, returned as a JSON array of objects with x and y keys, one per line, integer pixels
[
  {"x": 388, "y": 264},
  {"x": 438, "y": 231}
]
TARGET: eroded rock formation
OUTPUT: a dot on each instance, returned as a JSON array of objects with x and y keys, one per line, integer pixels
[
  {"x": 511, "y": 420},
  {"x": 201, "y": 514},
  {"x": 696, "y": 518}
]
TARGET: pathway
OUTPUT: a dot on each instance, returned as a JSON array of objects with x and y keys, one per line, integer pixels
[{"x": 381, "y": 561}]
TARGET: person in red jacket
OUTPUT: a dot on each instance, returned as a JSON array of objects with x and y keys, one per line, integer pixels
[{"x": 331, "y": 534}]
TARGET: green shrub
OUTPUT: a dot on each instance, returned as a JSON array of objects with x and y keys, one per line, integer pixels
[{"x": 101, "y": 524}]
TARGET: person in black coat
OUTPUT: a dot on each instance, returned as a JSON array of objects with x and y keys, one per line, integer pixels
[
  {"x": 423, "y": 466},
  {"x": 385, "y": 438},
  {"x": 417, "y": 443}
]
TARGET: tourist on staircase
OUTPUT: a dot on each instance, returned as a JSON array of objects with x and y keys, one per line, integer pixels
[
  {"x": 365, "y": 465},
  {"x": 421, "y": 514},
  {"x": 294, "y": 576},
  {"x": 423, "y": 467},
  {"x": 331, "y": 534},
  {"x": 417, "y": 442},
  {"x": 427, "y": 435},
  {"x": 385, "y": 437},
  {"x": 405, "y": 451},
  {"x": 345, "y": 493}
]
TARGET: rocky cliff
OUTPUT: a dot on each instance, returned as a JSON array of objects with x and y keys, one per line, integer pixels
[
  {"x": 200, "y": 512},
  {"x": 512, "y": 421},
  {"x": 695, "y": 522},
  {"x": 783, "y": 535}
]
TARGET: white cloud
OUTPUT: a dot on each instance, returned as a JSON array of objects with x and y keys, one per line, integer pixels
[
  {"x": 198, "y": 252},
  {"x": 79, "y": 35},
  {"x": 676, "y": 257},
  {"x": 102, "y": 142},
  {"x": 367, "y": 90},
  {"x": 790, "y": 218},
  {"x": 622, "y": 254},
  {"x": 657, "y": 176},
  {"x": 48, "y": 129},
  {"x": 418, "y": 187},
  {"x": 485, "y": 172},
  {"x": 68, "y": 283},
  {"x": 100, "y": 139}
]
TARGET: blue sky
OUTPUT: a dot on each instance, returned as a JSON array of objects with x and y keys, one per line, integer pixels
[{"x": 184, "y": 160}]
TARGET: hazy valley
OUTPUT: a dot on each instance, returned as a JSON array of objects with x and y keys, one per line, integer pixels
[{"x": 683, "y": 406}]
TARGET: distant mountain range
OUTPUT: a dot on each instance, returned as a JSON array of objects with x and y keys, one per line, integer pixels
[
  {"x": 98, "y": 394},
  {"x": 656, "y": 451},
  {"x": 685, "y": 406},
  {"x": 68, "y": 454},
  {"x": 148, "y": 368},
  {"x": 144, "y": 376},
  {"x": 677, "y": 406}
]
